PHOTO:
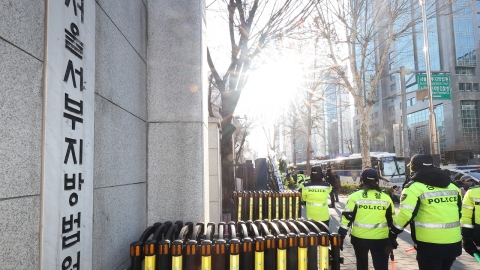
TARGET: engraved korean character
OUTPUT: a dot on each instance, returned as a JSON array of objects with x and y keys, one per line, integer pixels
[
  {"x": 72, "y": 43},
  {"x": 70, "y": 240},
  {"x": 67, "y": 225},
  {"x": 75, "y": 6},
  {"x": 75, "y": 107},
  {"x": 71, "y": 150},
  {"x": 68, "y": 262},
  {"x": 71, "y": 71},
  {"x": 70, "y": 183}
]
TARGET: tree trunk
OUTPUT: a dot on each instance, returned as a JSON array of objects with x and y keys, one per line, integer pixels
[
  {"x": 228, "y": 180},
  {"x": 365, "y": 134}
]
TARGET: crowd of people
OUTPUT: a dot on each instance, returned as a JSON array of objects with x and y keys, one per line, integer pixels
[{"x": 443, "y": 215}]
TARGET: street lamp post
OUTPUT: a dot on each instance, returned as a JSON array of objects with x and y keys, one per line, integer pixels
[{"x": 434, "y": 149}]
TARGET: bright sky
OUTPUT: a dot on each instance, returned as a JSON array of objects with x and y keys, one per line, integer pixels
[{"x": 266, "y": 95}]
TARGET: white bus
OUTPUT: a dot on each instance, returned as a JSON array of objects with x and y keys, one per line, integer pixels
[{"x": 389, "y": 167}]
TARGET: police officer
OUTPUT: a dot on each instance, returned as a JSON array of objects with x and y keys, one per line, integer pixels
[
  {"x": 369, "y": 212},
  {"x": 471, "y": 220},
  {"x": 315, "y": 194},
  {"x": 431, "y": 204}
]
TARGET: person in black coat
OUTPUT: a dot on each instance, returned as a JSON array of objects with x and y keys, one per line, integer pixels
[{"x": 331, "y": 178}]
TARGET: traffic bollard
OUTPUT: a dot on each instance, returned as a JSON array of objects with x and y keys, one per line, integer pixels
[
  {"x": 260, "y": 205},
  {"x": 206, "y": 253},
  {"x": 323, "y": 252},
  {"x": 149, "y": 251},
  {"x": 281, "y": 252},
  {"x": 292, "y": 251},
  {"x": 234, "y": 257},
  {"x": 270, "y": 252},
  {"x": 177, "y": 255},
  {"x": 312, "y": 253},
  {"x": 218, "y": 257},
  {"x": 335, "y": 240},
  {"x": 302, "y": 252},
  {"x": 136, "y": 256},
  {"x": 259, "y": 258},
  {"x": 190, "y": 255}
]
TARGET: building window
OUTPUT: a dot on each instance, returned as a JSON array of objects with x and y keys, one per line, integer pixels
[
  {"x": 390, "y": 55},
  {"x": 470, "y": 123},
  {"x": 392, "y": 77},
  {"x": 392, "y": 65},
  {"x": 465, "y": 71},
  {"x": 468, "y": 87}
]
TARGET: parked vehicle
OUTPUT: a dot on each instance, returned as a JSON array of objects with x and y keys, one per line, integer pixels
[{"x": 474, "y": 172}]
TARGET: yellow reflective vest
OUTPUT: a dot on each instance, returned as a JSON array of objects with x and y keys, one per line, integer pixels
[
  {"x": 300, "y": 180},
  {"x": 316, "y": 198},
  {"x": 471, "y": 209},
  {"x": 369, "y": 215},
  {"x": 437, "y": 219}
]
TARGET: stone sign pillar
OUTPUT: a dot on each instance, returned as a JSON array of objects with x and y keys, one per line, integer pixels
[
  {"x": 68, "y": 130},
  {"x": 177, "y": 183}
]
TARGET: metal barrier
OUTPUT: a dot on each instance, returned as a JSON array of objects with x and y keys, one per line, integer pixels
[
  {"x": 263, "y": 204},
  {"x": 281, "y": 244}
]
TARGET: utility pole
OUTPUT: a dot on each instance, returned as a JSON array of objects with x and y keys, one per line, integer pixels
[{"x": 434, "y": 149}]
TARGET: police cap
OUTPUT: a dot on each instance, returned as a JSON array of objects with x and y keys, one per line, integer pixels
[
  {"x": 369, "y": 175},
  {"x": 419, "y": 161}
]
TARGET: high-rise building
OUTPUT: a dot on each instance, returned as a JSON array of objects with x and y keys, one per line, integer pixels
[{"x": 453, "y": 35}]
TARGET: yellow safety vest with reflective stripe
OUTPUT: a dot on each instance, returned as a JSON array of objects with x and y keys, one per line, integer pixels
[
  {"x": 471, "y": 208},
  {"x": 369, "y": 214},
  {"x": 300, "y": 180},
  {"x": 438, "y": 218},
  {"x": 316, "y": 198}
]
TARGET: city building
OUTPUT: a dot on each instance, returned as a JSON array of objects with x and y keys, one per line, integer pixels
[{"x": 453, "y": 35}]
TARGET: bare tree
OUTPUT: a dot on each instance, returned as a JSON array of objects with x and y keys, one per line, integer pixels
[
  {"x": 252, "y": 26},
  {"x": 359, "y": 36}
]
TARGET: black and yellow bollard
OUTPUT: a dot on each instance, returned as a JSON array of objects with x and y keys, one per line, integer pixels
[
  {"x": 164, "y": 256},
  {"x": 234, "y": 256},
  {"x": 323, "y": 252},
  {"x": 235, "y": 203},
  {"x": 302, "y": 252},
  {"x": 281, "y": 252},
  {"x": 290, "y": 205},
  {"x": 149, "y": 252},
  {"x": 177, "y": 255},
  {"x": 259, "y": 260},
  {"x": 284, "y": 205},
  {"x": 260, "y": 205},
  {"x": 270, "y": 206},
  {"x": 206, "y": 253},
  {"x": 270, "y": 252},
  {"x": 312, "y": 253},
  {"x": 251, "y": 210},
  {"x": 277, "y": 206},
  {"x": 292, "y": 251},
  {"x": 190, "y": 254},
  {"x": 335, "y": 241},
  {"x": 239, "y": 206},
  {"x": 136, "y": 255},
  {"x": 219, "y": 253},
  {"x": 246, "y": 254}
]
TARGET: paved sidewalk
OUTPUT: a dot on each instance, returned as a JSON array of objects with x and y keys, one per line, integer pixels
[{"x": 403, "y": 260}]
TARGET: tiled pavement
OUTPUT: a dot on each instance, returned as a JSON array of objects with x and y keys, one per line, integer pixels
[{"x": 403, "y": 260}]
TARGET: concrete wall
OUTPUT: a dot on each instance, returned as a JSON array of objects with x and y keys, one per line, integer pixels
[
  {"x": 215, "y": 201},
  {"x": 177, "y": 112},
  {"x": 21, "y": 66},
  {"x": 120, "y": 168}
]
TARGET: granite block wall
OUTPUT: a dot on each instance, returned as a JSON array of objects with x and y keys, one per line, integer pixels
[
  {"x": 21, "y": 66},
  {"x": 120, "y": 167}
]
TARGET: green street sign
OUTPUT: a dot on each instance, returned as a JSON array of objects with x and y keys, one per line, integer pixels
[{"x": 440, "y": 85}]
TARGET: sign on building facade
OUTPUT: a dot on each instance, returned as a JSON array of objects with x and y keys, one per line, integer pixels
[
  {"x": 68, "y": 130},
  {"x": 440, "y": 85}
]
